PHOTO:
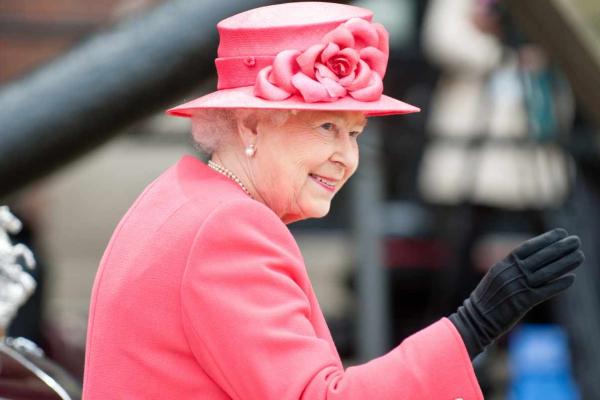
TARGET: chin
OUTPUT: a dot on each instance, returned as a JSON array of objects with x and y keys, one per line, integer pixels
[{"x": 318, "y": 209}]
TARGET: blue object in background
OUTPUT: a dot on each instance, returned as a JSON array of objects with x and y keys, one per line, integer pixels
[{"x": 540, "y": 364}]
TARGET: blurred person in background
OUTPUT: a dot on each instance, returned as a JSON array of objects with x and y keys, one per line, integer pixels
[
  {"x": 497, "y": 122},
  {"x": 202, "y": 291}
]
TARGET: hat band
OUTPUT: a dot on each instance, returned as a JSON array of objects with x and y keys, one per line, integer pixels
[{"x": 236, "y": 72}]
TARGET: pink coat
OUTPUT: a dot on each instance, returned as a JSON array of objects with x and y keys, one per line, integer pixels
[{"x": 202, "y": 293}]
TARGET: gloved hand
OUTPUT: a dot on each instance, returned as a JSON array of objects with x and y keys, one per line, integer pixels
[{"x": 534, "y": 272}]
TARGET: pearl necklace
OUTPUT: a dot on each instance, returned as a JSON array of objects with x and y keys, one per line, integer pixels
[{"x": 224, "y": 171}]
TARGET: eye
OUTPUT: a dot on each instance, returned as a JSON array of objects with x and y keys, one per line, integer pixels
[
  {"x": 328, "y": 126},
  {"x": 355, "y": 133}
]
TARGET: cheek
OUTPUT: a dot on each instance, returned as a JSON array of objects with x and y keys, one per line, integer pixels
[
  {"x": 285, "y": 178},
  {"x": 356, "y": 158},
  {"x": 308, "y": 156}
]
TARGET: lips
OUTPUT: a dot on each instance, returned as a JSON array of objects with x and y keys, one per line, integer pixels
[{"x": 326, "y": 183}]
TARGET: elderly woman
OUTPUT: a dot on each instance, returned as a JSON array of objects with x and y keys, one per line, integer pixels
[{"x": 202, "y": 291}]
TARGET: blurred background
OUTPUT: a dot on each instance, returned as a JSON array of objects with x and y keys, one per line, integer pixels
[{"x": 507, "y": 146}]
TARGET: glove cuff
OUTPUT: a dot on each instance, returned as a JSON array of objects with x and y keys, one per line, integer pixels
[{"x": 465, "y": 327}]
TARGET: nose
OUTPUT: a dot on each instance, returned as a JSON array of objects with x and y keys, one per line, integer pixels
[{"x": 346, "y": 152}]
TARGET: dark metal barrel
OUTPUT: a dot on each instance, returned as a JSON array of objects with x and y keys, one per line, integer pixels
[{"x": 83, "y": 98}]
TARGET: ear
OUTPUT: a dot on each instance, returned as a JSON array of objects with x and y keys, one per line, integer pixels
[{"x": 247, "y": 126}]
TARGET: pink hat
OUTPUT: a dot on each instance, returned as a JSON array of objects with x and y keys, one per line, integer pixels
[{"x": 304, "y": 56}]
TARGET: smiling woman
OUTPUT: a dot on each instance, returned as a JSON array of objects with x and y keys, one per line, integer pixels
[
  {"x": 299, "y": 159},
  {"x": 202, "y": 291}
]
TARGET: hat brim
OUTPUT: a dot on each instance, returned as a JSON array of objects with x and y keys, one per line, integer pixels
[{"x": 243, "y": 97}]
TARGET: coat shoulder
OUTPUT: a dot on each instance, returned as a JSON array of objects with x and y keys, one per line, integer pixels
[{"x": 245, "y": 217}]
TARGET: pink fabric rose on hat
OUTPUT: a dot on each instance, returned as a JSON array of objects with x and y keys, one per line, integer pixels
[{"x": 350, "y": 60}]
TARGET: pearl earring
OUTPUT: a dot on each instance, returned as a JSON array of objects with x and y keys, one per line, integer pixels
[{"x": 250, "y": 150}]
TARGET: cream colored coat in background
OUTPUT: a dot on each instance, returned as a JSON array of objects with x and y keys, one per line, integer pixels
[{"x": 479, "y": 93}]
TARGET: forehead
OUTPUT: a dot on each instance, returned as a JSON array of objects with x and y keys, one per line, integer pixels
[{"x": 342, "y": 118}]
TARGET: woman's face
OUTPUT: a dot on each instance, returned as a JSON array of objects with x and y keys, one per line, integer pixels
[{"x": 299, "y": 166}]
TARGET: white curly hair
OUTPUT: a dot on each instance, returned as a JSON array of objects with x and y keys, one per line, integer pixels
[{"x": 211, "y": 128}]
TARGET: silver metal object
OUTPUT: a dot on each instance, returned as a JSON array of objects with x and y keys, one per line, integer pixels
[
  {"x": 25, "y": 345},
  {"x": 16, "y": 285},
  {"x": 16, "y": 354}
]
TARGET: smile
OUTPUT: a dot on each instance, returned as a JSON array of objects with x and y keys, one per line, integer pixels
[{"x": 324, "y": 182}]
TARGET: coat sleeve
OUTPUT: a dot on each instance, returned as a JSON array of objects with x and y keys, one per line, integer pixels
[{"x": 246, "y": 314}]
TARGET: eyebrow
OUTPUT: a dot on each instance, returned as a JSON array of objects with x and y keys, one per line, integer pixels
[{"x": 338, "y": 121}]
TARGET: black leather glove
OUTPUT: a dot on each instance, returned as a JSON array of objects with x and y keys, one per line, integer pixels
[{"x": 534, "y": 272}]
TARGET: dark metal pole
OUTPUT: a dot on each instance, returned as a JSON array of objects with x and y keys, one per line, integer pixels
[
  {"x": 373, "y": 333},
  {"x": 82, "y": 99}
]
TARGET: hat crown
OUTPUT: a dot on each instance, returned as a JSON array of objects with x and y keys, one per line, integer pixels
[
  {"x": 301, "y": 56},
  {"x": 265, "y": 31}
]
